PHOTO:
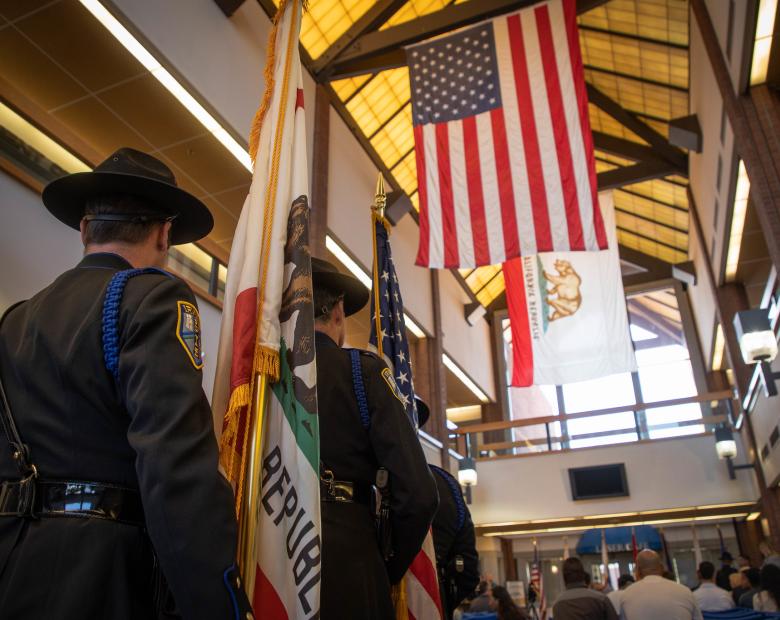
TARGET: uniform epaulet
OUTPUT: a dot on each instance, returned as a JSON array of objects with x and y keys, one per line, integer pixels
[
  {"x": 366, "y": 353},
  {"x": 457, "y": 494},
  {"x": 110, "y": 320}
]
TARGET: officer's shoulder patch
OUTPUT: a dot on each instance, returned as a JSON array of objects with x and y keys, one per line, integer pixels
[
  {"x": 188, "y": 332},
  {"x": 387, "y": 375}
]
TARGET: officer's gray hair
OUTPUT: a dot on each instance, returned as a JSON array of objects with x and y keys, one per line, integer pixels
[
  {"x": 324, "y": 302},
  {"x": 126, "y": 232}
]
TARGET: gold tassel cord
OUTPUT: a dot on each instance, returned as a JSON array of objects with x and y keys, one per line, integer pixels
[{"x": 268, "y": 77}]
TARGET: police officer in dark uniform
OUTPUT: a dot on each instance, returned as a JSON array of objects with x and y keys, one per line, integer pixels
[
  {"x": 454, "y": 539},
  {"x": 111, "y": 485},
  {"x": 363, "y": 429}
]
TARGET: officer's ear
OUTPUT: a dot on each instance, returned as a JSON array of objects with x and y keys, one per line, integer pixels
[
  {"x": 83, "y": 228},
  {"x": 338, "y": 315},
  {"x": 164, "y": 237}
]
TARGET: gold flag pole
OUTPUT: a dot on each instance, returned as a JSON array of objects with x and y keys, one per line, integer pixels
[
  {"x": 248, "y": 512},
  {"x": 377, "y": 215}
]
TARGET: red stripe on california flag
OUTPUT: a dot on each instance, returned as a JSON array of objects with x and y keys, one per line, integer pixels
[
  {"x": 506, "y": 192},
  {"x": 517, "y": 305},
  {"x": 298, "y": 98},
  {"x": 244, "y": 330},
  {"x": 448, "y": 222},
  {"x": 570, "y": 17},
  {"x": 541, "y": 215},
  {"x": 562, "y": 144},
  {"x": 423, "y": 250},
  {"x": 476, "y": 198},
  {"x": 266, "y": 599}
]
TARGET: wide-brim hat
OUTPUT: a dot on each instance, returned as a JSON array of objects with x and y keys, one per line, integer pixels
[
  {"x": 137, "y": 174},
  {"x": 423, "y": 411},
  {"x": 326, "y": 276}
]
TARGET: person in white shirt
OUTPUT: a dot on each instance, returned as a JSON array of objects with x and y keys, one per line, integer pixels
[
  {"x": 616, "y": 596},
  {"x": 709, "y": 596},
  {"x": 653, "y": 597}
]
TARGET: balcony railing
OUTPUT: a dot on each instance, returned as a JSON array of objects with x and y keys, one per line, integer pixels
[{"x": 544, "y": 434}]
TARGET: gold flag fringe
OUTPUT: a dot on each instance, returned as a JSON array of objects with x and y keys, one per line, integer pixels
[
  {"x": 268, "y": 76},
  {"x": 267, "y": 363}
]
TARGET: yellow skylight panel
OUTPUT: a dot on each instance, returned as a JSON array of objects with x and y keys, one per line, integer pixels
[
  {"x": 414, "y": 9},
  {"x": 394, "y": 140},
  {"x": 405, "y": 172},
  {"x": 326, "y": 20},
  {"x": 481, "y": 276},
  {"x": 346, "y": 87},
  {"x": 379, "y": 99},
  {"x": 493, "y": 289}
]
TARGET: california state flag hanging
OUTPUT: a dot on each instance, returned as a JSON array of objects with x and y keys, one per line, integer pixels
[
  {"x": 267, "y": 340},
  {"x": 568, "y": 313}
]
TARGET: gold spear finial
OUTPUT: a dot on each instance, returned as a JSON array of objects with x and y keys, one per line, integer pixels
[{"x": 380, "y": 199}]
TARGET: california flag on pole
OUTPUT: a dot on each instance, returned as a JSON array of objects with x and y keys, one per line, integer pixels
[
  {"x": 568, "y": 314},
  {"x": 267, "y": 329}
]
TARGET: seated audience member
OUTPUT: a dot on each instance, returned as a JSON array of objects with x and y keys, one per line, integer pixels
[
  {"x": 505, "y": 607},
  {"x": 709, "y": 596},
  {"x": 768, "y": 599},
  {"x": 616, "y": 595},
  {"x": 770, "y": 555},
  {"x": 578, "y": 602},
  {"x": 751, "y": 585},
  {"x": 483, "y": 600},
  {"x": 654, "y": 598},
  {"x": 726, "y": 570}
]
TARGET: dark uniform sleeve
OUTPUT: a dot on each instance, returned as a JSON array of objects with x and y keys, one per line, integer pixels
[
  {"x": 465, "y": 545},
  {"x": 414, "y": 497},
  {"x": 189, "y": 506}
]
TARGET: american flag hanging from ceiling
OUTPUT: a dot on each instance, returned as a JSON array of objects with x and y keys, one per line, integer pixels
[{"x": 505, "y": 161}]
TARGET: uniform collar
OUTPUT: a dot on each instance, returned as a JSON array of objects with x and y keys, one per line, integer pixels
[
  {"x": 322, "y": 339},
  {"x": 103, "y": 260}
]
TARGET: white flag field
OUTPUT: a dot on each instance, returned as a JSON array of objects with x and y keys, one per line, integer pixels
[
  {"x": 267, "y": 331},
  {"x": 568, "y": 313}
]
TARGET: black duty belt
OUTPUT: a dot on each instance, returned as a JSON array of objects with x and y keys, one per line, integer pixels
[
  {"x": 53, "y": 498},
  {"x": 346, "y": 492}
]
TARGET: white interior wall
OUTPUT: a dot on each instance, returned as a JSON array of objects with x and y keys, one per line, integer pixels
[
  {"x": 706, "y": 103},
  {"x": 673, "y": 473},
  {"x": 35, "y": 248}
]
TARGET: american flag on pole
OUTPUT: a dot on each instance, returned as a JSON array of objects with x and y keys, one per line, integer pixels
[
  {"x": 505, "y": 161},
  {"x": 420, "y": 585},
  {"x": 537, "y": 583}
]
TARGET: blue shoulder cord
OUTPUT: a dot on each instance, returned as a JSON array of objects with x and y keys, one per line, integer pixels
[
  {"x": 110, "y": 321},
  {"x": 457, "y": 494},
  {"x": 360, "y": 388}
]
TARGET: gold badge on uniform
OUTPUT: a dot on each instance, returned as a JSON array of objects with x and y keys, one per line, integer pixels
[
  {"x": 188, "y": 332},
  {"x": 388, "y": 377}
]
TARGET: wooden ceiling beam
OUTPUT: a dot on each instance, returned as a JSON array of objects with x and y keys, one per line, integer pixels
[
  {"x": 372, "y": 19},
  {"x": 631, "y": 122},
  {"x": 383, "y": 49}
]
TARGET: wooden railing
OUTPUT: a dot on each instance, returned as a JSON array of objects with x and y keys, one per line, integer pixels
[{"x": 550, "y": 441}]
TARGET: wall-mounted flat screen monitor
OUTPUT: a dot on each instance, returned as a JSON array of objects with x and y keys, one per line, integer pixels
[{"x": 598, "y": 481}]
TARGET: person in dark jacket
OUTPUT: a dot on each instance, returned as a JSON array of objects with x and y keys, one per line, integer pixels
[
  {"x": 753, "y": 586},
  {"x": 102, "y": 373},
  {"x": 578, "y": 601},
  {"x": 454, "y": 539},
  {"x": 726, "y": 569},
  {"x": 363, "y": 427}
]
